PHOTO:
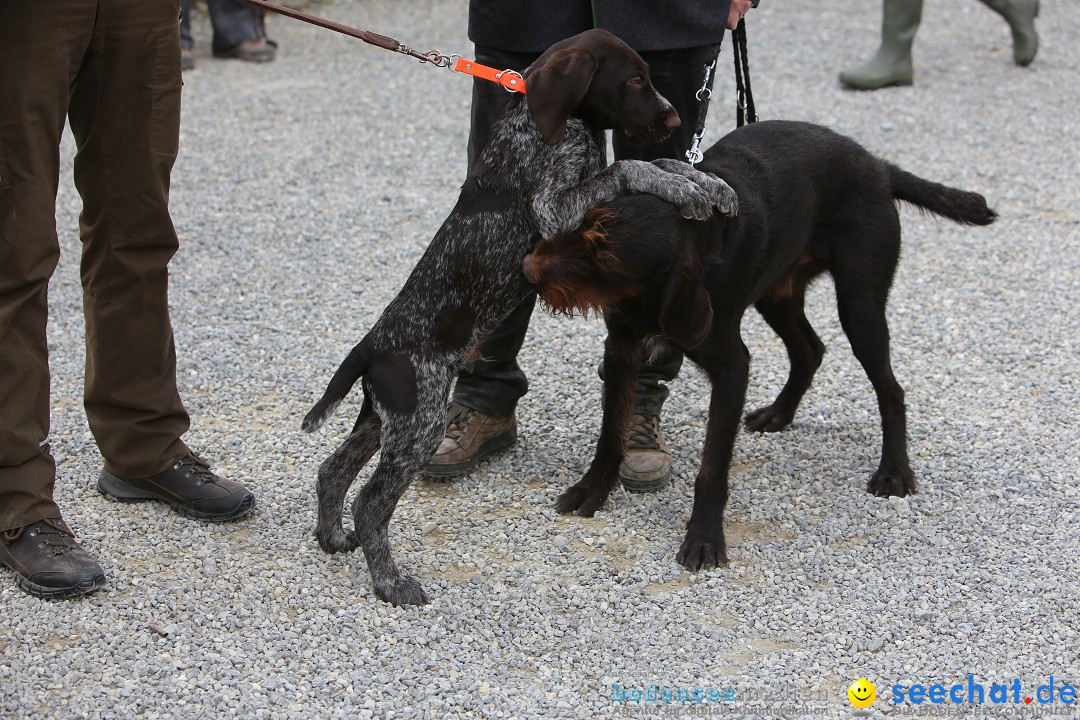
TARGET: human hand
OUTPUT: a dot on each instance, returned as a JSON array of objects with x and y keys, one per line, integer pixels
[{"x": 736, "y": 12}]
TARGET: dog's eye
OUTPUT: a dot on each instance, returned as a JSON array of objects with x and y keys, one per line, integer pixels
[{"x": 637, "y": 82}]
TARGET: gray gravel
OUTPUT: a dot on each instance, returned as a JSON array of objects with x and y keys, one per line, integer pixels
[{"x": 305, "y": 191}]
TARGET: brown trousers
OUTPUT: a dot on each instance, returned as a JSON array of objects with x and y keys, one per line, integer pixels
[{"x": 112, "y": 67}]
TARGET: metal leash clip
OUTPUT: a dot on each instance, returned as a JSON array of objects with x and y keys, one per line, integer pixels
[
  {"x": 694, "y": 154},
  {"x": 434, "y": 57},
  {"x": 705, "y": 92}
]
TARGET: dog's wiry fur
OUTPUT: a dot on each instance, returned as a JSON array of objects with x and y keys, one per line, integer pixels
[
  {"x": 810, "y": 201},
  {"x": 542, "y": 168}
]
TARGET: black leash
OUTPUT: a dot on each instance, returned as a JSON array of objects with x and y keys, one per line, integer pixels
[
  {"x": 745, "y": 101},
  {"x": 744, "y": 108},
  {"x": 703, "y": 95}
]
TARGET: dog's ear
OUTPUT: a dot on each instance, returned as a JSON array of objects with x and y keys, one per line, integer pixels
[
  {"x": 686, "y": 312},
  {"x": 556, "y": 88}
]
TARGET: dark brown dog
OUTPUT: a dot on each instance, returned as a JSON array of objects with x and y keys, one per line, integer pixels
[{"x": 810, "y": 201}]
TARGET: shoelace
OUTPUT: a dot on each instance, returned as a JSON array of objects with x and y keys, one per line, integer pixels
[
  {"x": 644, "y": 433},
  {"x": 458, "y": 420},
  {"x": 198, "y": 467},
  {"x": 55, "y": 535}
]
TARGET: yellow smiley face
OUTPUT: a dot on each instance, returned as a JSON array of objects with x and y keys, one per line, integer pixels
[{"x": 862, "y": 693}]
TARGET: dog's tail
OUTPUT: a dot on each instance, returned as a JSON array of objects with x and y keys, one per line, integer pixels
[
  {"x": 353, "y": 367},
  {"x": 966, "y": 208}
]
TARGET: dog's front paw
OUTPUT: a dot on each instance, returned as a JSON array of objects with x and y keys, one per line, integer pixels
[
  {"x": 701, "y": 552},
  {"x": 693, "y": 201},
  {"x": 768, "y": 419},
  {"x": 892, "y": 482},
  {"x": 582, "y": 499},
  {"x": 336, "y": 540},
  {"x": 402, "y": 591},
  {"x": 724, "y": 198}
]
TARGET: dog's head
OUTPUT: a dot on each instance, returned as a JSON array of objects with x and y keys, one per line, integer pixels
[
  {"x": 615, "y": 256},
  {"x": 597, "y": 77}
]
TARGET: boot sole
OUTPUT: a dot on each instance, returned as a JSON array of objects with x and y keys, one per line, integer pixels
[
  {"x": 493, "y": 445},
  {"x": 49, "y": 593},
  {"x": 902, "y": 82},
  {"x": 52, "y": 593},
  {"x": 115, "y": 488},
  {"x": 636, "y": 485}
]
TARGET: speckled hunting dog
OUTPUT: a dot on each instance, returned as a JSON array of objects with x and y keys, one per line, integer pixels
[{"x": 544, "y": 165}]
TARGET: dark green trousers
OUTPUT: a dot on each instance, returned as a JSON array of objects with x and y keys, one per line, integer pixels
[
  {"x": 112, "y": 69},
  {"x": 494, "y": 384}
]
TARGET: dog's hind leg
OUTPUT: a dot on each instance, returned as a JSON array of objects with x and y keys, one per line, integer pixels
[
  {"x": 406, "y": 449},
  {"x": 621, "y": 353},
  {"x": 805, "y": 350},
  {"x": 862, "y": 287},
  {"x": 727, "y": 364},
  {"x": 337, "y": 474}
]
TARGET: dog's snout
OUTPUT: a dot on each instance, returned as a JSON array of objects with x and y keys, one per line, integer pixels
[
  {"x": 672, "y": 121},
  {"x": 531, "y": 269}
]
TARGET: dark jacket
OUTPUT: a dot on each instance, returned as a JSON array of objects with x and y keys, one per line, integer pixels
[{"x": 533, "y": 25}]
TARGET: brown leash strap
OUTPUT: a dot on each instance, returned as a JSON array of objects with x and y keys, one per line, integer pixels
[{"x": 507, "y": 79}]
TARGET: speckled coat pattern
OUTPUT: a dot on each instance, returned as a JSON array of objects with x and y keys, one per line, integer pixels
[{"x": 466, "y": 282}]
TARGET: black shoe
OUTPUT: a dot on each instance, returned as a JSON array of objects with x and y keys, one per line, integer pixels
[
  {"x": 189, "y": 486},
  {"x": 48, "y": 560}
]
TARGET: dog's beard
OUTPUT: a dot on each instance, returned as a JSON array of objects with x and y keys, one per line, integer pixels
[
  {"x": 560, "y": 303},
  {"x": 656, "y": 131}
]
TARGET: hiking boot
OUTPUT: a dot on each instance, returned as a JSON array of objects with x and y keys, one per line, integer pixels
[
  {"x": 48, "y": 560},
  {"x": 647, "y": 465},
  {"x": 249, "y": 50},
  {"x": 470, "y": 436},
  {"x": 187, "y": 59},
  {"x": 189, "y": 486}
]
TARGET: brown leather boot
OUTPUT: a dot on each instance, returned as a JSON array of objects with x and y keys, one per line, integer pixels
[
  {"x": 647, "y": 465},
  {"x": 470, "y": 435},
  {"x": 48, "y": 560}
]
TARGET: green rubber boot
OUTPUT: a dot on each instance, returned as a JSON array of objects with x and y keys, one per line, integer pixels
[
  {"x": 892, "y": 63},
  {"x": 1020, "y": 14}
]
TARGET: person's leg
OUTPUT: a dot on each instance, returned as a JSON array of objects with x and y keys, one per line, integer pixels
[
  {"x": 677, "y": 75},
  {"x": 40, "y": 53},
  {"x": 1020, "y": 14},
  {"x": 125, "y": 116},
  {"x": 891, "y": 65},
  {"x": 237, "y": 32},
  {"x": 187, "y": 41},
  {"x": 481, "y": 417}
]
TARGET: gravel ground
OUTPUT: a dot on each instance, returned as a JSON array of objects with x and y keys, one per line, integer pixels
[{"x": 305, "y": 191}]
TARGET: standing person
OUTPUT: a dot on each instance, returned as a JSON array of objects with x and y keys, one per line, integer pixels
[
  {"x": 112, "y": 69},
  {"x": 892, "y": 65},
  {"x": 239, "y": 32},
  {"x": 674, "y": 39}
]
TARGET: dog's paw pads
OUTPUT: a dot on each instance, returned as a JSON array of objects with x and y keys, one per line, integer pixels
[{"x": 403, "y": 591}]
